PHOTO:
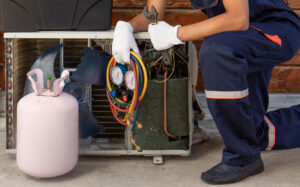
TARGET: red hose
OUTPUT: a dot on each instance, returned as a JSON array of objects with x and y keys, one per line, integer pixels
[
  {"x": 135, "y": 101},
  {"x": 136, "y": 86},
  {"x": 110, "y": 101},
  {"x": 116, "y": 117}
]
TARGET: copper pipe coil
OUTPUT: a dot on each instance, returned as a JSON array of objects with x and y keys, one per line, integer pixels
[
  {"x": 9, "y": 73},
  {"x": 9, "y": 61},
  {"x": 9, "y": 132},
  {"x": 9, "y": 85},
  {"x": 9, "y": 49},
  {"x": 9, "y": 96},
  {"x": 9, "y": 144},
  {"x": 9, "y": 120},
  {"x": 9, "y": 108}
]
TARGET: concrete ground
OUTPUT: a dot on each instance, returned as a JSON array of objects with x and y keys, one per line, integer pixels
[{"x": 282, "y": 168}]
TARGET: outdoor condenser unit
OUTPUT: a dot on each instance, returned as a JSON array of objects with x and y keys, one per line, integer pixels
[{"x": 22, "y": 49}]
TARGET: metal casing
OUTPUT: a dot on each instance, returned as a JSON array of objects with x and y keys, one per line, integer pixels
[{"x": 90, "y": 146}]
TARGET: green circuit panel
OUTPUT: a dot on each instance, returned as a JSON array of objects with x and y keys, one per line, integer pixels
[{"x": 151, "y": 136}]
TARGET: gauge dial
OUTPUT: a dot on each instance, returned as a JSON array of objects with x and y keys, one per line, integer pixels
[
  {"x": 129, "y": 80},
  {"x": 116, "y": 75}
]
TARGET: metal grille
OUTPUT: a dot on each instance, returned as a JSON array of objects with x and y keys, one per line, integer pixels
[
  {"x": 101, "y": 110},
  {"x": 73, "y": 51},
  {"x": 26, "y": 51},
  {"x": 100, "y": 104},
  {"x": 2, "y": 64}
]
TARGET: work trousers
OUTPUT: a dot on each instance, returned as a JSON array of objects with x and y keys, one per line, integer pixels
[{"x": 236, "y": 68}]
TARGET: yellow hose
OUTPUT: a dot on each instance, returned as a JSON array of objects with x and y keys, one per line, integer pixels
[{"x": 112, "y": 60}]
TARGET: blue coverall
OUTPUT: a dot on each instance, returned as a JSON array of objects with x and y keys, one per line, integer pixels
[{"x": 236, "y": 68}]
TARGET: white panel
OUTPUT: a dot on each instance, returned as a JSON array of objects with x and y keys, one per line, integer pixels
[{"x": 69, "y": 35}]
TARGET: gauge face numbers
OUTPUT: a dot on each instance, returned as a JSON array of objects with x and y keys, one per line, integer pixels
[
  {"x": 129, "y": 80},
  {"x": 116, "y": 75}
]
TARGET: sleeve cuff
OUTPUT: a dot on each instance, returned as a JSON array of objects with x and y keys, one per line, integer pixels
[
  {"x": 175, "y": 38},
  {"x": 121, "y": 24}
]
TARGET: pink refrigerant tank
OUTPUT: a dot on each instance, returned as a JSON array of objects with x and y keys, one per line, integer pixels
[{"x": 47, "y": 129}]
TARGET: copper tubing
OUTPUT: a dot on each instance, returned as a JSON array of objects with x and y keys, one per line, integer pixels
[
  {"x": 9, "y": 97},
  {"x": 9, "y": 73},
  {"x": 9, "y": 144},
  {"x": 9, "y": 49},
  {"x": 9, "y": 120},
  {"x": 9, "y": 61},
  {"x": 9, "y": 108},
  {"x": 165, "y": 108},
  {"x": 9, "y": 132},
  {"x": 9, "y": 85}
]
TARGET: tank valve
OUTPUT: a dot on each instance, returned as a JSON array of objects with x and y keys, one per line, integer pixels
[{"x": 49, "y": 77}]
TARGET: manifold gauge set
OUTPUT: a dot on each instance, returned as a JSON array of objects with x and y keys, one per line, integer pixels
[
  {"x": 120, "y": 75},
  {"x": 126, "y": 87}
]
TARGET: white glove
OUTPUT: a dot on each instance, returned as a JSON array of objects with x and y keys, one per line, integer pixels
[
  {"x": 123, "y": 41},
  {"x": 163, "y": 36}
]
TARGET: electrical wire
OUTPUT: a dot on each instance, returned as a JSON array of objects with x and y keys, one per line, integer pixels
[
  {"x": 173, "y": 69},
  {"x": 151, "y": 49}
]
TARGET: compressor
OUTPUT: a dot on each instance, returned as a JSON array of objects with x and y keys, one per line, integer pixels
[{"x": 47, "y": 128}]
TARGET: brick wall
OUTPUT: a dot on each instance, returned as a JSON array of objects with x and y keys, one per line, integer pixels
[{"x": 286, "y": 77}]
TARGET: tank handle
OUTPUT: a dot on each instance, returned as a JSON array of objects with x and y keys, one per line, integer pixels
[
  {"x": 38, "y": 85},
  {"x": 59, "y": 83}
]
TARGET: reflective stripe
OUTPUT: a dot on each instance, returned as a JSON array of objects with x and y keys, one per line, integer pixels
[
  {"x": 272, "y": 132},
  {"x": 226, "y": 94}
]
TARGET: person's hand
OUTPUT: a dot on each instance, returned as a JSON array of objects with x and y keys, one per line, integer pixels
[
  {"x": 163, "y": 35},
  {"x": 123, "y": 42}
]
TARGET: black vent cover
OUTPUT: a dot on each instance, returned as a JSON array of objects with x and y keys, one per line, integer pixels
[{"x": 35, "y": 15}]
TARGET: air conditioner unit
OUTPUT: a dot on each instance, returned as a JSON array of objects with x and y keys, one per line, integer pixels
[{"x": 22, "y": 49}]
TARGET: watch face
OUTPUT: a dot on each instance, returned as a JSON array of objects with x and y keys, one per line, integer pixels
[
  {"x": 129, "y": 80},
  {"x": 116, "y": 75}
]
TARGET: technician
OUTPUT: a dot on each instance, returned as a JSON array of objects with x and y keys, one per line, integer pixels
[{"x": 244, "y": 40}]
